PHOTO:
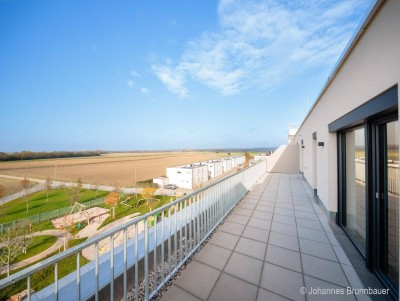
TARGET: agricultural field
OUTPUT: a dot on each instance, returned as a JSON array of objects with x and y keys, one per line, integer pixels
[
  {"x": 11, "y": 186},
  {"x": 119, "y": 169}
]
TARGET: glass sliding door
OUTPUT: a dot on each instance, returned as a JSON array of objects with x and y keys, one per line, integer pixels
[
  {"x": 355, "y": 175},
  {"x": 390, "y": 164}
]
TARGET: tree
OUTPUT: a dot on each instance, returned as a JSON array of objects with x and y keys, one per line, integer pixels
[
  {"x": 112, "y": 199},
  {"x": 79, "y": 184},
  {"x": 72, "y": 195},
  {"x": 14, "y": 241},
  {"x": 148, "y": 194},
  {"x": 95, "y": 186},
  {"x": 2, "y": 193},
  {"x": 47, "y": 187},
  {"x": 118, "y": 189},
  {"x": 25, "y": 183}
]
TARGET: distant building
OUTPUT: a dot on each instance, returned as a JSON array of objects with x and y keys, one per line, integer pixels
[
  {"x": 188, "y": 176},
  {"x": 215, "y": 168},
  {"x": 226, "y": 164},
  {"x": 161, "y": 181}
]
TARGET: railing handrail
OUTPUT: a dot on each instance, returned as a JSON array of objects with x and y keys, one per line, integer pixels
[{"x": 91, "y": 241}]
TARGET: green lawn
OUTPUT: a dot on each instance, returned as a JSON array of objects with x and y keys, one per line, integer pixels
[
  {"x": 122, "y": 210},
  {"x": 45, "y": 276},
  {"x": 37, "y": 203},
  {"x": 38, "y": 245}
]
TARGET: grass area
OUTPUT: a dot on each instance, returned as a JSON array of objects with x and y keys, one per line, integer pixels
[
  {"x": 122, "y": 211},
  {"x": 38, "y": 245},
  {"x": 45, "y": 277},
  {"x": 37, "y": 203},
  {"x": 46, "y": 225}
]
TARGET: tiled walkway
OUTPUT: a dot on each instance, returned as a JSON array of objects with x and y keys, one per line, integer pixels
[{"x": 276, "y": 241}]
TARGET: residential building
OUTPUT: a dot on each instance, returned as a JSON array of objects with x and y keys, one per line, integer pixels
[
  {"x": 188, "y": 176},
  {"x": 349, "y": 143}
]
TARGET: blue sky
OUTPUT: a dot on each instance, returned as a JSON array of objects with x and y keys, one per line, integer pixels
[{"x": 135, "y": 75}]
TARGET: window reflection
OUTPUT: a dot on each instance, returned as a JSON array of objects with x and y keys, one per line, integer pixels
[{"x": 355, "y": 184}]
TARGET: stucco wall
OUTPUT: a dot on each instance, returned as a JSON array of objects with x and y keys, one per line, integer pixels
[{"x": 372, "y": 67}]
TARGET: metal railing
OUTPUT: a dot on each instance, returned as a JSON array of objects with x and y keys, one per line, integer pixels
[{"x": 140, "y": 256}]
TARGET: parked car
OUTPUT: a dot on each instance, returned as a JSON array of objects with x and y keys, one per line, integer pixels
[{"x": 170, "y": 186}]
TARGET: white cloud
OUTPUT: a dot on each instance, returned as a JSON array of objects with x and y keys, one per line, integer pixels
[
  {"x": 130, "y": 83},
  {"x": 144, "y": 90},
  {"x": 261, "y": 43},
  {"x": 172, "y": 78},
  {"x": 135, "y": 73}
]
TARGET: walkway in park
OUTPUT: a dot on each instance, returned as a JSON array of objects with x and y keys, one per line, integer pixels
[
  {"x": 37, "y": 257},
  {"x": 276, "y": 245}
]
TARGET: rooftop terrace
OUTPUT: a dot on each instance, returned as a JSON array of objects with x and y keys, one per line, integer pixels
[{"x": 276, "y": 241}]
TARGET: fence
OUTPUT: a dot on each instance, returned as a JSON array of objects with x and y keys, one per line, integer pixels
[
  {"x": 144, "y": 259},
  {"x": 45, "y": 216},
  {"x": 11, "y": 197}
]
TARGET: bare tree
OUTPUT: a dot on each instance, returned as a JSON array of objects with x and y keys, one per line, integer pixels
[
  {"x": 14, "y": 241},
  {"x": 95, "y": 186},
  {"x": 47, "y": 187},
  {"x": 79, "y": 184},
  {"x": 25, "y": 183},
  {"x": 72, "y": 195}
]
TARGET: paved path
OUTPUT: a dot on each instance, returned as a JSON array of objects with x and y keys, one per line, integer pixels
[
  {"x": 276, "y": 243},
  {"x": 41, "y": 255}
]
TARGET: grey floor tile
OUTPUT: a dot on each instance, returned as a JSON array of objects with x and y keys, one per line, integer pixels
[
  {"x": 306, "y": 223},
  {"x": 262, "y": 208},
  {"x": 244, "y": 205},
  {"x": 318, "y": 268},
  {"x": 244, "y": 267},
  {"x": 284, "y": 228},
  {"x": 214, "y": 256},
  {"x": 250, "y": 201},
  {"x": 306, "y": 215},
  {"x": 283, "y": 241},
  {"x": 198, "y": 279},
  {"x": 317, "y": 249},
  {"x": 284, "y": 205},
  {"x": 224, "y": 240},
  {"x": 175, "y": 293},
  {"x": 256, "y": 233},
  {"x": 312, "y": 234},
  {"x": 262, "y": 215},
  {"x": 264, "y": 295},
  {"x": 304, "y": 208},
  {"x": 251, "y": 248},
  {"x": 281, "y": 281},
  {"x": 259, "y": 223},
  {"x": 284, "y": 211},
  {"x": 284, "y": 219},
  {"x": 283, "y": 257},
  {"x": 267, "y": 203},
  {"x": 245, "y": 212},
  {"x": 321, "y": 290},
  {"x": 240, "y": 219},
  {"x": 229, "y": 288},
  {"x": 232, "y": 228}
]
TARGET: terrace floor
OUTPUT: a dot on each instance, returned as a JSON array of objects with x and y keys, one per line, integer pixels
[{"x": 276, "y": 241}]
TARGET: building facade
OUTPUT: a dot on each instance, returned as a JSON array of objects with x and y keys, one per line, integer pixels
[
  {"x": 188, "y": 176},
  {"x": 349, "y": 142}
]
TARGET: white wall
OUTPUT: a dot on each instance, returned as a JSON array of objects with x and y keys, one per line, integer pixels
[{"x": 372, "y": 67}]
